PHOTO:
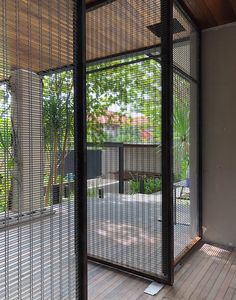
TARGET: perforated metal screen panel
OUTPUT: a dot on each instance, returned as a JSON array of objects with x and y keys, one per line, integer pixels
[
  {"x": 92, "y": 127},
  {"x": 125, "y": 192},
  {"x": 124, "y": 126},
  {"x": 37, "y": 257},
  {"x": 185, "y": 139}
]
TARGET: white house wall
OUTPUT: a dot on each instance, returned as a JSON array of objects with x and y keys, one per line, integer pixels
[{"x": 219, "y": 133}]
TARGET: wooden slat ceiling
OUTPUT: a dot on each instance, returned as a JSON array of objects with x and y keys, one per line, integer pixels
[
  {"x": 211, "y": 13},
  {"x": 38, "y": 35}
]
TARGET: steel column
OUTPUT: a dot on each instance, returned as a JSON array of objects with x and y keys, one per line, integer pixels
[
  {"x": 199, "y": 138},
  {"x": 167, "y": 140},
  {"x": 80, "y": 149}
]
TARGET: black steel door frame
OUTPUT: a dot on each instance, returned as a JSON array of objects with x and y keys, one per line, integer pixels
[
  {"x": 167, "y": 140},
  {"x": 81, "y": 148},
  {"x": 80, "y": 198}
]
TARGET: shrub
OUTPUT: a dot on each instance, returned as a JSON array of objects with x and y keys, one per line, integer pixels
[
  {"x": 151, "y": 185},
  {"x": 134, "y": 186},
  {"x": 92, "y": 192}
]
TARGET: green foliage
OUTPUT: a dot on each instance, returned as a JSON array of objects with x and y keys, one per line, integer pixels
[
  {"x": 151, "y": 185},
  {"x": 184, "y": 168},
  {"x": 92, "y": 192},
  {"x": 134, "y": 186},
  {"x": 5, "y": 121},
  {"x": 2, "y": 206},
  {"x": 58, "y": 180},
  {"x": 181, "y": 125},
  {"x": 132, "y": 88},
  {"x": 6, "y": 151},
  {"x": 4, "y": 189},
  {"x": 58, "y": 122},
  {"x": 57, "y": 108},
  {"x": 126, "y": 134}
]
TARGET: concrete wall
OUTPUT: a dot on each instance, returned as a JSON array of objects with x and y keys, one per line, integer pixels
[{"x": 219, "y": 134}]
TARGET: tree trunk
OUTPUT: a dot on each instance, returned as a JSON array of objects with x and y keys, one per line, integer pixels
[
  {"x": 63, "y": 164},
  {"x": 53, "y": 173},
  {"x": 55, "y": 161}
]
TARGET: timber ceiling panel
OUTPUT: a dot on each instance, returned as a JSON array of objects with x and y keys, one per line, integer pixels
[
  {"x": 210, "y": 13},
  {"x": 38, "y": 35}
]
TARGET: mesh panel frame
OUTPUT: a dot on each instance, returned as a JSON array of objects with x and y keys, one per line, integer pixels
[{"x": 84, "y": 119}]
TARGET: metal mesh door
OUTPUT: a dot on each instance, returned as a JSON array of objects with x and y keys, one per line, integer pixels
[
  {"x": 185, "y": 135},
  {"x": 89, "y": 111},
  {"x": 124, "y": 132},
  {"x": 129, "y": 47}
]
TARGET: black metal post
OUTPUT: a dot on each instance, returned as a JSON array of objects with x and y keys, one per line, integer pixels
[
  {"x": 175, "y": 204},
  {"x": 142, "y": 188},
  {"x": 199, "y": 138},
  {"x": 121, "y": 170},
  {"x": 80, "y": 150},
  {"x": 167, "y": 140}
]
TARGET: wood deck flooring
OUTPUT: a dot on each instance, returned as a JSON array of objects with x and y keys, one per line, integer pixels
[{"x": 209, "y": 274}]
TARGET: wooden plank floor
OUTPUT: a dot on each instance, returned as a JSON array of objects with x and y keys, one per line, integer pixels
[{"x": 209, "y": 273}]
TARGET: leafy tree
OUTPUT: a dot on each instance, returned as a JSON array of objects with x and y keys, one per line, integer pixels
[
  {"x": 133, "y": 88},
  {"x": 6, "y": 149},
  {"x": 181, "y": 125},
  {"x": 58, "y": 124},
  {"x": 126, "y": 134}
]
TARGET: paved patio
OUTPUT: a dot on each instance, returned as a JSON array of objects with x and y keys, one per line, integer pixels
[{"x": 126, "y": 229}]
